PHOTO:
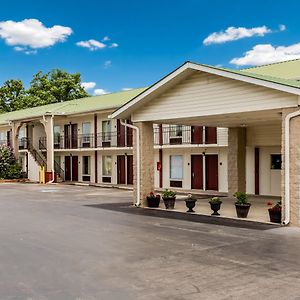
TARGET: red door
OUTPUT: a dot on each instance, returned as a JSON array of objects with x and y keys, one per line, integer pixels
[
  {"x": 74, "y": 136},
  {"x": 197, "y": 172},
  {"x": 67, "y": 168},
  {"x": 256, "y": 170},
  {"x": 67, "y": 137},
  {"x": 129, "y": 169},
  {"x": 129, "y": 135},
  {"x": 121, "y": 169},
  {"x": 197, "y": 135},
  {"x": 121, "y": 134},
  {"x": 71, "y": 168},
  {"x": 74, "y": 168},
  {"x": 211, "y": 171},
  {"x": 210, "y": 135}
]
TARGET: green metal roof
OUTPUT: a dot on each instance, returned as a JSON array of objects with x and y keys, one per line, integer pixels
[
  {"x": 286, "y": 69},
  {"x": 83, "y": 105},
  {"x": 252, "y": 74}
]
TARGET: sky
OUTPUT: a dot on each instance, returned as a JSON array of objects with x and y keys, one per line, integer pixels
[{"x": 118, "y": 45}]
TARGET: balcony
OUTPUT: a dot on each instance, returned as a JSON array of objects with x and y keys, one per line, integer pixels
[
  {"x": 183, "y": 135},
  {"x": 88, "y": 141}
]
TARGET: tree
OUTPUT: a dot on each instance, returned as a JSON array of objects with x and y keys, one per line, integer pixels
[
  {"x": 55, "y": 86},
  {"x": 52, "y": 87},
  {"x": 12, "y": 93}
]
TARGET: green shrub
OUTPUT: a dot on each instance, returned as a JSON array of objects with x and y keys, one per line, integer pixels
[
  {"x": 168, "y": 194},
  {"x": 9, "y": 168},
  {"x": 241, "y": 198}
]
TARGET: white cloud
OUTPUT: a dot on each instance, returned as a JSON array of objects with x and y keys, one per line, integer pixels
[
  {"x": 88, "y": 85},
  {"x": 91, "y": 44},
  {"x": 266, "y": 54},
  {"x": 235, "y": 33},
  {"x": 105, "y": 39},
  {"x": 127, "y": 89},
  {"x": 282, "y": 27},
  {"x": 32, "y": 34},
  {"x": 100, "y": 92},
  {"x": 114, "y": 45},
  {"x": 107, "y": 64}
]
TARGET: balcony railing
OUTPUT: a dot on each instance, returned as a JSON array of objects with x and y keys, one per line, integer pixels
[
  {"x": 23, "y": 143},
  {"x": 185, "y": 135},
  {"x": 87, "y": 141}
]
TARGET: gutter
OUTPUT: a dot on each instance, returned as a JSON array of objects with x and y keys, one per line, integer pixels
[
  {"x": 287, "y": 202},
  {"x": 138, "y": 178}
]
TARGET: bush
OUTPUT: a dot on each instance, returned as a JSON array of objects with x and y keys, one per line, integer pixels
[
  {"x": 241, "y": 198},
  {"x": 9, "y": 168},
  {"x": 168, "y": 193}
]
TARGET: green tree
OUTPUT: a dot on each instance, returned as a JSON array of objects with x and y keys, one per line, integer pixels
[
  {"x": 9, "y": 168},
  {"x": 55, "y": 86},
  {"x": 52, "y": 87},
  {"x": 12, "y": 93}
]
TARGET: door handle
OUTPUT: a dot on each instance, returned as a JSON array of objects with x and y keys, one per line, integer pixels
[{"x": 193, "y": 174}]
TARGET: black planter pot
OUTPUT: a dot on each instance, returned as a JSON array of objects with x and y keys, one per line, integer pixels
[
  {"x": 190, "y": 204},
  {"x": 215, "y": 206},
  {"x": 169, "y": 202},
  {"x": 242, "y": 210},
  {"x": 153, "y": 202},
  {"x": 275, "y": 215}
]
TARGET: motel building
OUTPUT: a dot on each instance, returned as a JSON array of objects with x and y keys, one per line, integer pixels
[{"x": 200, "y": 129}]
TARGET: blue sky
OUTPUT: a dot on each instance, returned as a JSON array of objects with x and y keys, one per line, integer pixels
[{"x": 147, "y": 39}]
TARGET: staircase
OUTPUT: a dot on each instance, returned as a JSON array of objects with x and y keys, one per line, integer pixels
[{"x": 57, "y": 168}]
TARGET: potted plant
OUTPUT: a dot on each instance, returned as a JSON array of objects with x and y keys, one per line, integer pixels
[
  {"x": 275, "y": 212},
  {"x": 215, "y": 205},
  {"x": 169, "y": 197},
  {"x": 153, "y": 200},
  {"x": 241, "y": 204},
  {"x": 190, "y": 202}
]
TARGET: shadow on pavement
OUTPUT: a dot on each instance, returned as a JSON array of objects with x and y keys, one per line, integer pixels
[{"x": 169, "y": 214}]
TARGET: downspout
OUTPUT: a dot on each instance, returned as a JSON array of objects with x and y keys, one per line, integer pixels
[
  {"x": 287, "y": 201},
  {"x": 138, "y": 200},
  {"x": 52, "y": 167}
]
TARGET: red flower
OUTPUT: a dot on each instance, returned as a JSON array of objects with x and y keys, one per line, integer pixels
[
  {"x": 151, "y": 194},
  {"x": 269, "y": 203}
]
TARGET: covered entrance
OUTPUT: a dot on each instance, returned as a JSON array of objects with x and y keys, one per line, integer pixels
[
  {"x": 254, "y": 109},
  {"x": 71, "y": 168}
]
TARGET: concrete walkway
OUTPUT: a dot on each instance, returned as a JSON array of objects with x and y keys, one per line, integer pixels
[{"x": 258, "y": 211}]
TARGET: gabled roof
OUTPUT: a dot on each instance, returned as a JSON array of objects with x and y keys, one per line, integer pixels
[
  {"x": 282, "y": 84},
  {"x": 286, "y": 69},
  {"x": 78, "y": 106}
]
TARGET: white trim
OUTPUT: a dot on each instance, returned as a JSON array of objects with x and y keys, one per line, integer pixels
[{"x": 211, "y": 70}]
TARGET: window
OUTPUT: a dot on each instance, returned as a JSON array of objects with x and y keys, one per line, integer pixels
[
  {"x": 56, "y": 133},
  {"x": 22, "y": 139},
  {"x": 86, "y": 168},
  {"x": 106, "y": 165},
  {"x": 176, "y": 167},
  {"x": 106, "y": 130},
  {"x": 2, "y": 138},
  {"x": 106, "y": 168},
  {"x": 275, "y": 161},
  {"x": 86, "y": 134},
  {"x": 175, "y": 130}
]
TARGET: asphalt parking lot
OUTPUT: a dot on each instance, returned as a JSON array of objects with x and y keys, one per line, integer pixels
[{"x": 68, "y": 242}]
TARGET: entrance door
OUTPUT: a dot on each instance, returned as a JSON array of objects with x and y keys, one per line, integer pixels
[
  {"x": 211, "y": 172},
  {"x": 67, "y": 168},
  {"x": 197, "y": 135},
  {"x": 129, "y": 169},
  {"x": 71, "y": 168},
  {"x": 74, "y": 136},
  {"x": 121, "y": 134},
  {"x": 67, "y": 142},
  {"x": 121, "y": 169},
  {"x": 256, "y": 170},
  {"x": 197, "y": 171},
  {"x": 74, "y": 168},
  {"x": 8, "y": 138}
]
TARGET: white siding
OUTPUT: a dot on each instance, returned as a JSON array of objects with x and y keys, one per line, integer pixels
[
  {"x": 205, "y": 94},
  {"x": 264, "y": 135}
]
